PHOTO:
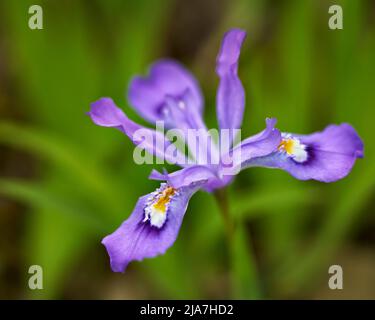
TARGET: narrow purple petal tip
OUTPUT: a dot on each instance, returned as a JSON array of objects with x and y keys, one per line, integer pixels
[
  {"x": 230, "y": 51},
  {"x": 105, "y": 113},
  {"x": 156, "y": 175},
  {"x": 230, "y": 98}
]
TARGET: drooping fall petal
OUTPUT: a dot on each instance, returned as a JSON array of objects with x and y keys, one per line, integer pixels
[
  {"x": 151, "y": 228},
  {"x": 325, "y": 156}
]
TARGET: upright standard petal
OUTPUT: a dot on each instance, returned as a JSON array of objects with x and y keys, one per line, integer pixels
[
  {"x": 166, "y": 78},
  {"x": 152, "y": 227},
  {"x": 191, "y": 128},
  {"x": 230, "y": 99},
  {"x": 325, "y": 156},
  {"x": 105, "y": 113},
  {"x": 171, "y": 94}
]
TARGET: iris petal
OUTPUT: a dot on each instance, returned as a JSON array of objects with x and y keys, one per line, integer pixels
[
  {"x": 331, "y": 155},
  {"x": 258, "y": 145},
  {"x": 105, "y": 113},
  {"x": 171, "y": 94},
  {"x": 186, "y": 176},
  {"x": 136, "y": 239},
  {"x": 166, "y": 78},
  {"x": 230, "y": 98}
]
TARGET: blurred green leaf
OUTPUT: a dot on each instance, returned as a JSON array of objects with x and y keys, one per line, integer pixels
[
  {"x": 300, "y": 270},
  {"x": 32, "y": 194},
  {"x": 77, "y": 165},
  {"x": 71, "y": 63},
  {"x": 171, "y": 274},
  {"x": 265, "y": 200}
]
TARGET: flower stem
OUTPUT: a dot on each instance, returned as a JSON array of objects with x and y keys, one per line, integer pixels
[
  {"x": 244, "y": 277},
  {"x": 221, "y": 197}
]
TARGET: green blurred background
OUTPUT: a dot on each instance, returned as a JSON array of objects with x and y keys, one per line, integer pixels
[{"x": 65, "y": 183}]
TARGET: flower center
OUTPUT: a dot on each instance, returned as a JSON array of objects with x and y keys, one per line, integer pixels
[
  {"x": 157, "y": 205},
  {"x": 293, "y": 148}
]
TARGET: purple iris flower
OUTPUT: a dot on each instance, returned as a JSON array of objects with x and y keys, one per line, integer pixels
[{"x": 171, "y": 94}]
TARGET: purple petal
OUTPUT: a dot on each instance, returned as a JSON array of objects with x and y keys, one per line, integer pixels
[
  {"x": 156, "y": 175},
  {"x": 105, "y": 113},
  {"x": 204, "y": 175},
  {"x": 166, "y": 78},
  {"x": 198, "y": 140},
  {"x": 137, "y": 239},
  {"x": 186, "y": 176},
  {"x": 258, "y": 145},
  {"x": 230, "y": 97},
  {"x": 170, "y": 94},
  {"x": 331, "y": 155},
  {"x": 336, "y": 138}
]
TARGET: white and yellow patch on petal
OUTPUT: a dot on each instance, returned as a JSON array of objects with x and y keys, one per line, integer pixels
[
  {"x": 157, "y": 205},
  {"x": 293, "y": 148}
]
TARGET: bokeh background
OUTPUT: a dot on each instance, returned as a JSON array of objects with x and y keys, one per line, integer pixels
[{"x": 65, "y": 183}]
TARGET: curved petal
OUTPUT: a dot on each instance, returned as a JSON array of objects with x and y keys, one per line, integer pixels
[
  {"x": 258, "y": 145},
  {"x": 331, "y": 155},
  {"x": 338, "y": 138},
  {"x": 205, "y": 176},
  {"x": 105, "y": 113},
  {"x": 170, "y": 94},
  {"x": 191, "y": 129},
  {"x": 166, "y": 78},
  {"x": 137, "y": 239},
  {"x": 185, "y": 176},
  {"x": 230, "y": 97}
]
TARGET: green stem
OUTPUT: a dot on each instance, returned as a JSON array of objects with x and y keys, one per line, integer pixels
[
  {"x": 244, "y": 279},
  {"x": 221, "y": 197}
]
